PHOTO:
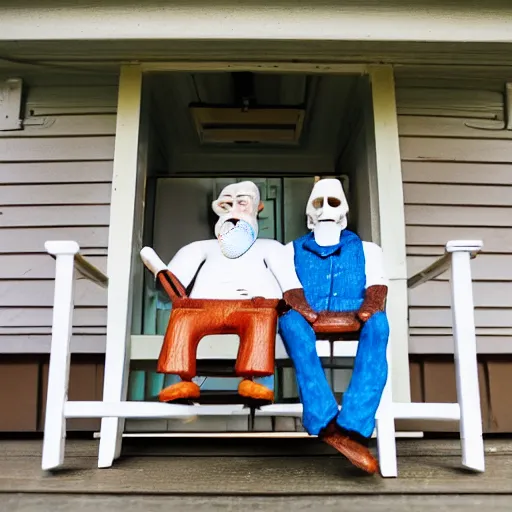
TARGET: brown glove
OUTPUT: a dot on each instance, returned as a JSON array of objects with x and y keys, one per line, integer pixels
[
  {"x": 374, "y": 301},
  {"x": 297, "y": 300}
]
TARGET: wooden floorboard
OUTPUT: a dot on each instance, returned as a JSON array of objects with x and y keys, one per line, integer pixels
[
  {"x": 251, "y": 468},
  {"x": 92, "y": 503}
]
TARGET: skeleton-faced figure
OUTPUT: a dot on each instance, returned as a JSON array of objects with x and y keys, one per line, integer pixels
[
  {"x": 239, "y": 282},
  {"x": 345, "y": 284}
]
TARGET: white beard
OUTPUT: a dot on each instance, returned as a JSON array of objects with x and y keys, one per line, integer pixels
[
  {"x": 237, "y": 240},
  {"x": 327, "y": 233}
]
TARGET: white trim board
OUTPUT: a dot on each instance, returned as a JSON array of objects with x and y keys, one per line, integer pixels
[
  {"x": 246, "y": 435},
  {"x": 366, "y": 20}
]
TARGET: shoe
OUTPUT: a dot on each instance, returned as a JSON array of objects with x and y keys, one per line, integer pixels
[
  {"x": 249, "y": 389},
  {"x": 358, "y": 454},
  {"x": 179, "y": 391}
]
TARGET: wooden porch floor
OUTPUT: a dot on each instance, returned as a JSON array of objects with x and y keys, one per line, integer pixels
[{"x": 276, "y": 474}]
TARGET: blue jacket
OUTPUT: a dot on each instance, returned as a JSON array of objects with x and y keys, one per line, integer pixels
[{"x": 333, "y": 277}]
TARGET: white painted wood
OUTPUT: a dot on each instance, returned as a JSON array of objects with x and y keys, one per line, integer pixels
[
  {"x": 454, "y": 150},
  {"x": 41, "y": 344},
  {"x": 65, "y": 125},
  {"x": 427, "y": 411},
  {"x": 442, "y": 331},
  {"x": 83, "y": 193},
  {"x": 457, "y": 173},
  {"x": 30, "y": 240},
  {"x": 72, "y": 99},
  {"x": 36, "y": 266},
  {"x": 436, "y": 317},
  {"x": 493, "y": 344},
  {"x": 392, "y": 222},
  {"x": 466, "y": 370},
  {"x": 126, "y": 409},
  {"x": 467, "y": 215},
  {"x": 488, "y": 195},
  {"x": 56, "y": 172},
  {"x": 40, "y": 293},
  {"x": 18, "y": 317},
  {"x": 487, "y": 295},
  {"x": 496, "y": 239},
  {"x": 432, "y": 126},
  {"x": 371, "y": 20},
  {"x": 58, "y": 375},
  {"x": 62, "y": 215},
  {"x": 437, "y": 101},
  {"x": 10, "y": 104},
  {"x": 121, "y": 253},
  {"x": 43, "y": 148}
]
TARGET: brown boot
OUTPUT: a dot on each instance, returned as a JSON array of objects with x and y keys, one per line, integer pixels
[
  {"x": 249, "y": 389},
  {"x": 358, "y": 454},
  {"x": 180, "y": 391}
]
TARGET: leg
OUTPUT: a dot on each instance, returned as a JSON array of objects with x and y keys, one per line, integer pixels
[
  {"x": 363, "y": 395},
  {"x": 256, "y": 355},
  {"x": 257, "y": 343},
  {"x": 178, "y": 353},
  {"x": 317, "y": 399}
]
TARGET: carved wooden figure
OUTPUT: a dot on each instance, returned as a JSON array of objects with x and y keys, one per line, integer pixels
[
  {"x": 345, "y": 284},
  {"x": 240, "y": 284}
]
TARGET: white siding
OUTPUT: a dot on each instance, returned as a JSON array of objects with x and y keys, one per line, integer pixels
[
  {"x": 457, "y": 184},
  {"x": 55, "y": 180}
]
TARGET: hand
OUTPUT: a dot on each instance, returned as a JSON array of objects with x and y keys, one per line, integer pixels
[
  {"x": 297, "y": 300},
  {"x": 374, "y": 301}
]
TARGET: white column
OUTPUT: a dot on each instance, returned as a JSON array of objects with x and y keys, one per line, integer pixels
[
  {"x": 123, "y": 222},
  {"x": 58, "y": 373},
  {"x": 392, "y": 223},
  {"x": 466, "y": 366}
]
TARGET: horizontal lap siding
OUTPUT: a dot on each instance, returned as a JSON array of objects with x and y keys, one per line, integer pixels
[
  {"x": 457, "y": 185},
  {"x": 55, "y": 178}
]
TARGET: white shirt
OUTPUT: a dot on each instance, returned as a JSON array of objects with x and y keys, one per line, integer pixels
[{"x": 262, "y": 271}]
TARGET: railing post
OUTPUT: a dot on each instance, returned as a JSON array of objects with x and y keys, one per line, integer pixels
[
  {"x": 465, "y": 354},
  {"x": 58, "y": 373}
]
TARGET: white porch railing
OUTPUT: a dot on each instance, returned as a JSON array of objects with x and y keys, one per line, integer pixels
[{"x": 467, "y": 408}]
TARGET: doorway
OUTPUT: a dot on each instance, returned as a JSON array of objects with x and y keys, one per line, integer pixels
[{"x": 307, "y": 125}]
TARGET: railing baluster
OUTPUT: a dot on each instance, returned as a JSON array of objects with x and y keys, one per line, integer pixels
[
  {"x": 58, "y": 375},
  {"x": 465, "y": 354}
]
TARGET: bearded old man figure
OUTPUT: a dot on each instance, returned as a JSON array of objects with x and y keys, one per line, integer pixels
[
  {"x": 344, "y": 282},
  {"x": 239, "y": 283}
]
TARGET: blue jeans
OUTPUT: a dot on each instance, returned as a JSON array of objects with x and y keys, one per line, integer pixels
[{"x": 362, "y": 397}]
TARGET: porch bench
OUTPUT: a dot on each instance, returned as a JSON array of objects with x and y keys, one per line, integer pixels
[{"x": 467, "y": 409}]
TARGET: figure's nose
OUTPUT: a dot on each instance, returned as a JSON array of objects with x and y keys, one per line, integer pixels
[{"x": 233, "y": 221}]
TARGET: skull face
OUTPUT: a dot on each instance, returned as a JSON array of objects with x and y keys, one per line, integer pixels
[
  {"x": 237, "y": 207},
  {"x": 327, "y": 203}
]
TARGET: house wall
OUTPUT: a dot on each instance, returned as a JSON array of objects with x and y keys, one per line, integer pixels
[
  {"x": 458, "y": 185},
  {"x": 56, "y": 182},
  {"x": 56, "y": 176}
]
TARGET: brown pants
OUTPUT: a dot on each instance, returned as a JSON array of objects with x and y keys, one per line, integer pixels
[{"x": 253, "y": 320}]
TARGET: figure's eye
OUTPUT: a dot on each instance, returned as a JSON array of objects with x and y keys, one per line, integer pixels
[
  {"x": 334, "y": 202},
  {"x": 225, "y": 205},
  {"x": 318, "y": 202}
]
